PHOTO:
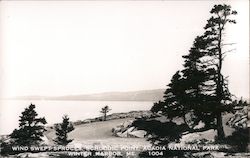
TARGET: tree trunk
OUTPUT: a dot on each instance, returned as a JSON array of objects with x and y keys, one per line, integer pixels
[
  {"x": 105, "y": 116},
  {"x": 220, "y": 131},
  {"x": 219, "y": 89}
]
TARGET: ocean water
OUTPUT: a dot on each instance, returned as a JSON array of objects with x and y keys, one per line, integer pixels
[{"x": 10, "y": 110}]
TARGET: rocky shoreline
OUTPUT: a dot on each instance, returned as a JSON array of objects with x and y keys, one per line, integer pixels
[{"x": 131, "y": 114}]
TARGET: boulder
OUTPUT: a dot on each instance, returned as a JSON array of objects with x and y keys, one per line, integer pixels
[
  {"x": 126, "y": 130},
  {"x": 137, "y": 134},
  {"x": 129, "y": 130},
  {"x": 197, "y": 137},
  {"x": 122, "y": 128},
  {"x": 122, "y": 134},
  {"x": 127, "y": 124},
  {"x": 200, "y": 125},
  {"x": 116, "y": 129},
  {"x": 125, "y": 133},
  {"x": 87, "y": 121}
]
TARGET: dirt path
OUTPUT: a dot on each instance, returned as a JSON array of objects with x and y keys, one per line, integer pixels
[{"x": 100, "y": 133}]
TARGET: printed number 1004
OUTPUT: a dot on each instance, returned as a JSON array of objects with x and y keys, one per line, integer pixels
[{"x": 155, "y": 153}]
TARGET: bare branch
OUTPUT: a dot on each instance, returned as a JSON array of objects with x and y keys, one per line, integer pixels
[
  {"x": 228, "y": 44},
  {"x": 229, "y": 51},
  {"x": 223, "y": 57}
]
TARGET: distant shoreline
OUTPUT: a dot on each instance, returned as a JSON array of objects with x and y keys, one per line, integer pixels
[
  {"x": 47, "y": 99},
  {"x": 142, "y": 95}
]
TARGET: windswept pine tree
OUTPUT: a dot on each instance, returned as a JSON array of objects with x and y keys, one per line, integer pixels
[
  {"x": 214, "y": 36},
  {"x": 200, "y": 87},
  {"x": 62, "y": 131},
  {"x": 31, "y": 128}
]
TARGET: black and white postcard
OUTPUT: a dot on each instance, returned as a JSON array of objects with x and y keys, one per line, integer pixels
[{"x": 124, "y": 78}]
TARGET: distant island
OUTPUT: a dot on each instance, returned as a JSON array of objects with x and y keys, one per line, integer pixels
[{"x": 142, "y": 95}]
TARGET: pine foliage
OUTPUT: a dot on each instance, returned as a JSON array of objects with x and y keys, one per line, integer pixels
[
  {"x": 31, "y": 128},
  {"x": 62, "y": 131}
]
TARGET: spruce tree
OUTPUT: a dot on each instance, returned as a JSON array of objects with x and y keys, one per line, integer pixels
[
  {"x": 214, "y": 35},
  {"x": 172, "y": 106},
  {"x": 31, "y": 128},
  {"x": 104, "y": 111},
  {"x": 200, "y": 87},
  {"x": 62, "y": 131},
  {"x": 199, "y": 84}
]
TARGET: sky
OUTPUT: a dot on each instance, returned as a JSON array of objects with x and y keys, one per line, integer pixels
[{"x": 65, "y": 48}]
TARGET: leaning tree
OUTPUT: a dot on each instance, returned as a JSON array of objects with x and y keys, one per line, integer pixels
[
  {"x": 215, "y": 51},
  {"x": 206, "y": 88},
  {"x": 201, "y": 87}
]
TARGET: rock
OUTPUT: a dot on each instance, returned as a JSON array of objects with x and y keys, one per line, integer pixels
[
  {"x": 138, "y": 134},
  {"x": 205, "y": 155},
  {"x": 131, "y": 114},
  {"x": 126, "y": 130},
  {"x": 200, "y": 125},
  {"x": 241, "y": 123},
  {"x": 33, "y": 155},
  {"x": 116, "y": 129},
  {"x": 127, "y": 123},
  {"x": 197, "y": 137},
  {"x": 122, "y": 135},
  {"x": 130, "y": 132},
  {"x": 87, "y": 121},
  {"x": 122, "y": 128},
  {"x": 218, "y": 154},
  {"x": 239, "y": 120},
  {"x": 130, "y": 129},
  {"x": 241, "y": 155},
  {"x": 215, "y": 154}
]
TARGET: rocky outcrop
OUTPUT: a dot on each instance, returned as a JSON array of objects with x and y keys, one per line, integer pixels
[
  {"x": 199, "y": 137},
  {"x": 126, "y": 130},
  {"x": 239, "y": 120},
  {"x": 131, "y": 114},
  {"x": 137, "y": 133}
]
